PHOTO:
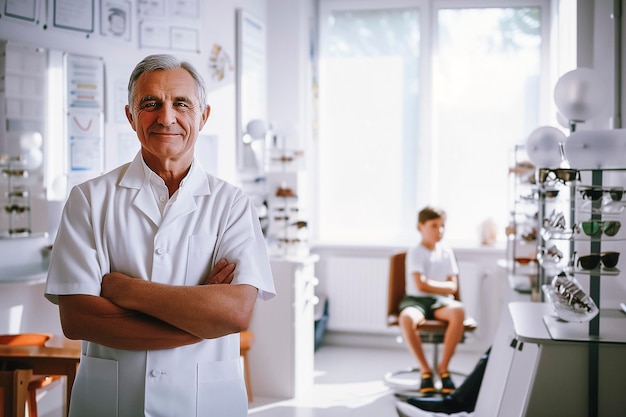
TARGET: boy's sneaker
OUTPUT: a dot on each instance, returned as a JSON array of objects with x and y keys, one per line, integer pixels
[
  {"x": 447, "y": 385},
  {"x": 427, "y": 385}
]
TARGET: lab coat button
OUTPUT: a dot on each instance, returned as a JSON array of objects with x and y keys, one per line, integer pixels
[
  {"x": 156, "y": 373},
  {"x": 160, "y": 251}
]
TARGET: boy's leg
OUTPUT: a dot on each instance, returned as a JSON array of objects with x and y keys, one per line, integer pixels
[
  {"x": 454, "y": 314},
  {"x": 410, "y": 318}
]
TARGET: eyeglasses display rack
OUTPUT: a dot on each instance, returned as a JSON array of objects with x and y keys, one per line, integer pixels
[
  {"x": 521, "y": 232},
  {"x": 563, "y": 353},
  {"x": 287, "y": 230},
  {"x": 16, "y": 198},
  {"x": 584, "y": 224}
]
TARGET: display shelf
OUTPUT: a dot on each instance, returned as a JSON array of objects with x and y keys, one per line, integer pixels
[{"x": 600, "y": 272}]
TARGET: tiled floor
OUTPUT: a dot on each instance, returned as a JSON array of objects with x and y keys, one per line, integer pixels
[{"x": 349, "y": 382}]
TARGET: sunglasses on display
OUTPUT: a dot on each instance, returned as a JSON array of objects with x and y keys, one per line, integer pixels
[
  {"x": 525, "y": 261},
  {"x": 15, "y": 208},
  {"x": 18, "y": 193},
  {"x": 15, "y": 173},
  {"x": 593, "y": 260},
  {"x": 596, "y": 227},
  {"x": 555, "y": 221},
  {"x": 550, "y": 193},
  {"x": 19, "y": 231},
  {"x": 596, "y": 193},
  {"x": 563, "y": 175},
  {"x": 552, "y": 253}
]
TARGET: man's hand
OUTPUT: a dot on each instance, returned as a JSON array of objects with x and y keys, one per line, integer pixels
[{"x": 222, "y": 273}]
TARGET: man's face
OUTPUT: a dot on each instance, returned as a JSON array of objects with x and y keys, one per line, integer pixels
[{"x": 167, "y": 115}]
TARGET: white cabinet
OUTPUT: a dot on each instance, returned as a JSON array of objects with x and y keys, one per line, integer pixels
[
  {"x": 520, "y": 378},
  {"x": 281, "y": 357}
]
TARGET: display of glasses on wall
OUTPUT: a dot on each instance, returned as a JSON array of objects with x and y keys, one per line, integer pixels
[
  {"x": 16, "y": 201},
  {"x": 522, "y": 228},
  {"x": 287, "y": 231}
]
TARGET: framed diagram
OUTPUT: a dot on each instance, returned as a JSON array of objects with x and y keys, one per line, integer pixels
[
  {"x": 115, "y": 19},
  {"x": 21, "y": 9},
  {"x": 74, "y": 15}
]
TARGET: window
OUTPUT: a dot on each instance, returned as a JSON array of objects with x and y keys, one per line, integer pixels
[{"x": 420, "y": 106}]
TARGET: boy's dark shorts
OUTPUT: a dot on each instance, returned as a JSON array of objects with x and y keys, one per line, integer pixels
[{"x": 427, "y": 304}]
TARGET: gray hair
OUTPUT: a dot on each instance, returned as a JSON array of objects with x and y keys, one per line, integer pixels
[{"x": 165, "y": 62}]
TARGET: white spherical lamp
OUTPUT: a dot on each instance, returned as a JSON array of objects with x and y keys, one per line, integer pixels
[
  {"x": 543, "y": 147},
  {"x": 30, "y": 140},
  {"x": 580, "y": 94}
]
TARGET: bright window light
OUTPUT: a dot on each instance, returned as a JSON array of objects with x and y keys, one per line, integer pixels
[{"x": 415, "y": 111}]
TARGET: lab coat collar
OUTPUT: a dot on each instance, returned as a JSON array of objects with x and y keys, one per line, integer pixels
[
  {"x": 196, "y": 182},
  {"x": 137, "y": 176}
]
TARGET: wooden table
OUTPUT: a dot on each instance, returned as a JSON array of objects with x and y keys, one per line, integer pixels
[{"x": 60, "y": 356}]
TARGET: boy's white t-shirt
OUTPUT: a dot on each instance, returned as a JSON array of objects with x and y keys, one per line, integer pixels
[{"x": 437, "y": 264}]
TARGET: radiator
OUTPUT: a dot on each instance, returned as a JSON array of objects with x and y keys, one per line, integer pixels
[{"x": 357, "y": 292}]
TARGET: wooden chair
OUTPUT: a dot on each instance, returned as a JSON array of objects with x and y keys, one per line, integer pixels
[
  {"x": 246, "y": 338},
  {"x": 432, "y": 331},
  {"x": 35, "y": 382}
]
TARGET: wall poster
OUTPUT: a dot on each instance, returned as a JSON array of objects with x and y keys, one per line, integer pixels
[{"x": 85, "y": 117}]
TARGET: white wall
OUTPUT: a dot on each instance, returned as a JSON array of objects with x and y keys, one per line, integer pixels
[{"x": 217, "y": 25}]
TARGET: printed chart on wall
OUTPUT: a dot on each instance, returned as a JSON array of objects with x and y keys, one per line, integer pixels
[{"x": 84, "y": 101}]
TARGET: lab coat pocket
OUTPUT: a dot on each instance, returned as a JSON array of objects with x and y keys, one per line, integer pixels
[
  {"x": 95, "y": 392},
  {"x": 200, "y": 258},
  {"x": 221, "y": 389}
]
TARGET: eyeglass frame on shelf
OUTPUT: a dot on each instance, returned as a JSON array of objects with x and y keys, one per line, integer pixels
[
  {"x": 595, "y": 192},
  {"x": 598, "y": 258},
  {"x": 562, "y": 175}
]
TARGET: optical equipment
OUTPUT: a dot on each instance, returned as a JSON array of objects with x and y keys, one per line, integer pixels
[
  {"x": 552, "y": 254},
  {"x": 595, "y": 193},
  {"x": 555, "y": 221},
  {"x": 593, "y": 260},
  {"x": 596, "y": 228},
  {"x": 569, "y": 299},
  {"x": 547, "y": 176}
]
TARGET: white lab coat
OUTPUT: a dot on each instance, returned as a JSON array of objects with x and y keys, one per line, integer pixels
[{"x": 113, "y": 223}]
